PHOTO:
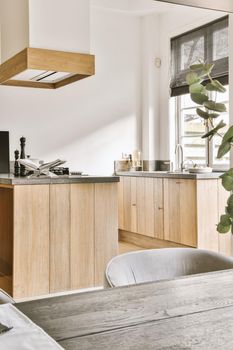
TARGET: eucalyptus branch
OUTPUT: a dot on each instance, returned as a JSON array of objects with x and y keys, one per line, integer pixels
[
  {"x": 212, "y": 124},
  {"x": 212, "y": 109}
]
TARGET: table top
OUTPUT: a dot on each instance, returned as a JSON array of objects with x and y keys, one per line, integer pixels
[{"x": 193, "y": 312}]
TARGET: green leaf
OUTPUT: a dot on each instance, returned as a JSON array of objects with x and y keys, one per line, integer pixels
[
  {"x": 225, "y": 220},
  {"x": 214, "y": 115},
  {"x": 229, "y": 134},
  {"x": 196, "y": 88},
  {"x": 224, "y": 148},
  {"x": 206, "y": 70},
  {"x": 229, "y": 211},
  {"x": 223, "y": 229},
  {"x": 197, "y": 66},
  {"x": 199, "y": 98},
  {"x": 208, "y": 67},
  {"x": 202, "y": 69},
  {"x": 206, "y": 115},
  {"x": 229, "y": 207},
  {"x": 212, "y": 132},
  {"x": 202, "y": 113},
  {"x": 192, "y": 78},
  {"x": 215, "y": 85},
  {"x": 230, "y": 202},
  {"x": 227, "y": 181},
  {"x": 229, "y": 172},
  {"x": 213, "y": 106}
]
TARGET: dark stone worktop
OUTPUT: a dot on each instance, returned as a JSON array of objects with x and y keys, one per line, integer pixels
[
  {"x": 6, "y": 179},
  {"x": 171, "y": 175}
]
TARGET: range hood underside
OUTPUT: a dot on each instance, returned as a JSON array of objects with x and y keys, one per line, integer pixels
[{"x": 49, "y": 69}]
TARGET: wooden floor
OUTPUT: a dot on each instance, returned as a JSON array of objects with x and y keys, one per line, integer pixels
[{"x": 128, "y": 247}]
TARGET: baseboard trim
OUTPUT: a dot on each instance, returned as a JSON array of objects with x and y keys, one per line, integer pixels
[
  {"x": 52, "y": 295},
  {"x": 146, "y": 242}
]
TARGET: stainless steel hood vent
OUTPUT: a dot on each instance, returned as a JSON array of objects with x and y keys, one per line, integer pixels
[{"x": 49, "y": 69}]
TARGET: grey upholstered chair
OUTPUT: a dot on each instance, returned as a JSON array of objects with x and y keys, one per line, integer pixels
[
  {"x": 5, "y": 298},
  {"x": 158, "y": 264}
]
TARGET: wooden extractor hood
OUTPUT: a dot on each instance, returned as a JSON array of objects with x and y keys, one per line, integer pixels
[
  {"x": 45, "y": 44},
  {"x": 49, "y": 69}
]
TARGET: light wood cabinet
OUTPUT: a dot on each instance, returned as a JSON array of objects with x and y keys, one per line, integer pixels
[
  {"x": 141, "y": 206},
  {"x": 56, "y": 237},
  {"x": 173, "y": 212},
  {"x": 127, "y": 204},
  {"x": 150, "y": 207},
  {"x": 31, "y": 241},
  {"x": 180, "y": 214},
  {"x": 82, "y": 248},
  {"x": 60, "y": 240},
  {"x": 212, "y": 199},
  {"x": 106, "y": 233}
]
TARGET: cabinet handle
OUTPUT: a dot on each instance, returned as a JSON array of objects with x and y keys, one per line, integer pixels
[
  {"x": 133, "y": 205},
  {"x": 160, "y": 208},
  {"x": 178, "y": 182}
]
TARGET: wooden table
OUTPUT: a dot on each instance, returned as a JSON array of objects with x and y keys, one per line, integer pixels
[{"x": 194, "y": 312}]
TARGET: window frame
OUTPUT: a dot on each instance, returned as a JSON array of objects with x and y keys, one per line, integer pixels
[{"x": 209, "y": 146}]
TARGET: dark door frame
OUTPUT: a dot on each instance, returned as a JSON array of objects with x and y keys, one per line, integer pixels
[{"x": 219, "y": 5}]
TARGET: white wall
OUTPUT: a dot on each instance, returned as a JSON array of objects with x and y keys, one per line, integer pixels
[
  {"x": 14, "y": 27},
  {"x": 60, "y": 25},
  {"x": 150, "y": 87},
  {"x": 89, "y": 123}
]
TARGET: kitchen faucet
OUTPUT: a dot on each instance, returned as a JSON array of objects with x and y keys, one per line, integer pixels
[{"x": 180, "y": 156}]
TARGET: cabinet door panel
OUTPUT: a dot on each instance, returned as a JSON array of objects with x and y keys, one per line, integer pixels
[
  {"x": 158, "y": 208},
  {"x": 188, "y": 212},
  {"x": 106, "y": 223},
  {"x": 31, "y": 241},
  {"x": 180, "y": 211},
  {"x": 82, "y": 256},
  {"x": 121, "y": 203},
  {"x": 145, "y": 206},
  {"x": 207, "y": 197},
  {"x": 129, "y": 204},
  {"x": 59, "y": 238},
  {"x": 141, "y": 206},
  {"x": 171, "y": 211}
]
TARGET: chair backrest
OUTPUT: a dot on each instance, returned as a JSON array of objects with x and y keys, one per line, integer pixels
[
  {"x": 158, "y": 264},
  {"x": 5, "y": 298}
]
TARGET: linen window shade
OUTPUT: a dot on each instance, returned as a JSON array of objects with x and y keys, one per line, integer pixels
[{"x": 207, "y": 43}]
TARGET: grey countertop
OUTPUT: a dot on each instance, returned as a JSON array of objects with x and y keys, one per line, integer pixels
[
  {"x": 172, "y": 175},
  {"x": 9, "y": 179}
]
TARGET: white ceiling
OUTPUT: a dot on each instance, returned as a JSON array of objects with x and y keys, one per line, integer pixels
[
  {"x": 139, "y": 7},
  {"x": 133, "y": 6}
]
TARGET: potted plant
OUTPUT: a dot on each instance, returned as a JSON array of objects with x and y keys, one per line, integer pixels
[{"x": 201, "y": 84}]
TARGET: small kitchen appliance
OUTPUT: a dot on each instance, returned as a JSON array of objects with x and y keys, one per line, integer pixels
[{"x": 4, "y": 152}]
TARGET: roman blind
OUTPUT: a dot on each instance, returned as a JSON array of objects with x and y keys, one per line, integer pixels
[{"x": 208, "y": 43}]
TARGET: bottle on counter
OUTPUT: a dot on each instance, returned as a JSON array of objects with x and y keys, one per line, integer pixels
[
  {"x": 16, "y": 164},
  {"x": 22, "y": 156}
]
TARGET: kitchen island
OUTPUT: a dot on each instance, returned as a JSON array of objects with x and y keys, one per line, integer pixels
[
  {"x": 56, "y": 234},
  {"x": 172, "y": 209}
]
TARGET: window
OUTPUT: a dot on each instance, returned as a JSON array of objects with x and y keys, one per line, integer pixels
[
  {"x": 190, "y": 128},
  {"x": 208, "y": 43}
]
